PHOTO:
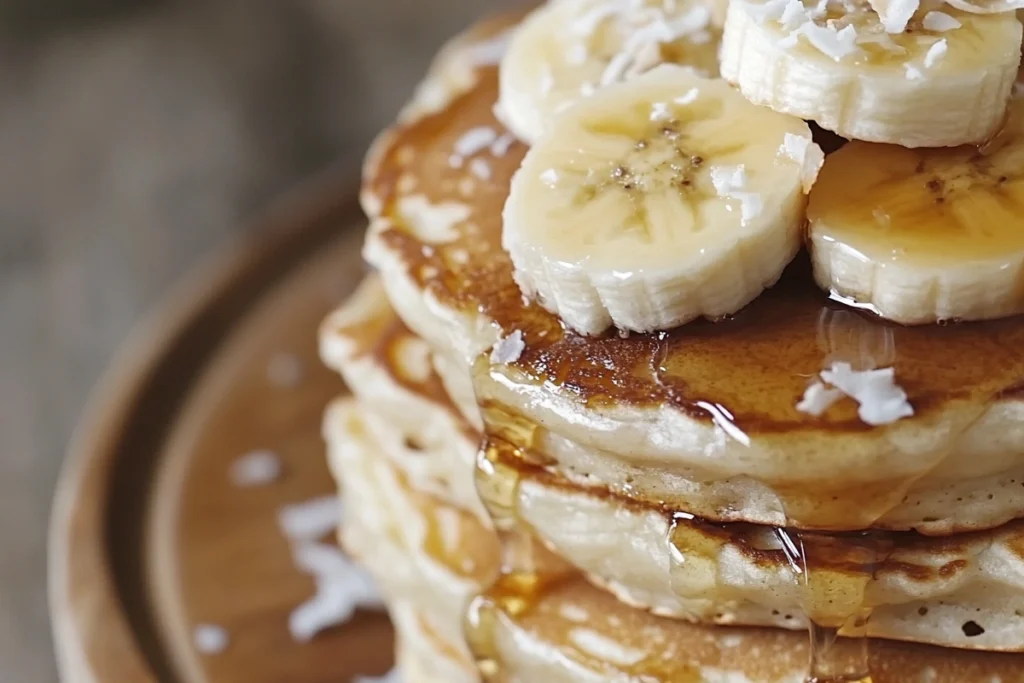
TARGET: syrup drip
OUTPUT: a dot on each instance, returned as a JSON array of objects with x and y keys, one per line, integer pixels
[
  {"x": 832, "y": 607},
  {"x": 833, "y": 571}
]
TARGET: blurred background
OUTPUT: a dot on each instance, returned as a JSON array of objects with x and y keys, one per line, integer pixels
[{"x": 135, "y": 135}]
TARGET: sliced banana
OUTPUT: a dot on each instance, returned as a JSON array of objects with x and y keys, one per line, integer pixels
[
  {"x": 568, "y": 49},
  {"x": 943, "y": 81},
  {"x": 658, "y": 201},
  {"x": 921, "y": 236}
]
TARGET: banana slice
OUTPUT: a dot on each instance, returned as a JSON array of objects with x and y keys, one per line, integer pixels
[
  {"x": 568, "y": 49},
  {"x": 658, "y": 201},
  {"x": 943, "y": 81},
  {"x": 921, "y": 236}
]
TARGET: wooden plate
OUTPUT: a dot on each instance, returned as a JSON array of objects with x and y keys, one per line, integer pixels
[{"x": 149, "y": 536}]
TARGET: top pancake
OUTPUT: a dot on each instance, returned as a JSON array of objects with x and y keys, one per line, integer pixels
[{"x": 713, "y": 399}]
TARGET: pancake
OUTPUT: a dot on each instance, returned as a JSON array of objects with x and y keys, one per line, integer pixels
[
  {"x": 962, "y": 592},
  {"x": 565, "y": 629},
  {"x": 710, "y": 406},
  {"x": 421, "y": 656},
  {"x": 364, "y": 340},
  {"x": 391, "y": 372},
  {"x": 574, "y": 633},
  {"x": 385, "y": 517}
]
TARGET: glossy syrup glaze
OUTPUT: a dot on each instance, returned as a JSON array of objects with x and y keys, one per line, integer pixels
[
  {"x": 756, "y": 364},
  {"x": 751, "y": 368}
]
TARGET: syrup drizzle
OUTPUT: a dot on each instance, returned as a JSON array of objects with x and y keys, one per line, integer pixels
[
  {"x": 830, "y": 613},
  {"x": 831, "y": 600}
]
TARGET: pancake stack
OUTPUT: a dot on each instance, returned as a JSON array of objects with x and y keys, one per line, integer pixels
[{"x": 656, "y": 381}]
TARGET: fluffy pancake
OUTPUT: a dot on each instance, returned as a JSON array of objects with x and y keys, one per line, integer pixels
[
  {"x": 964, "y": 591},
  {"x": 568, "y": 630},
  {"x": 710, "y": 406},
  {"x": 392, "y": 372}
]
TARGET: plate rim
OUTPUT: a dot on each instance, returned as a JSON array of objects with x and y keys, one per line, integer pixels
[{"x": 94, "y": 640}]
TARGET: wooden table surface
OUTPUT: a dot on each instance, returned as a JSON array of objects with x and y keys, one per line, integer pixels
[{"x": 132, "y": 143}]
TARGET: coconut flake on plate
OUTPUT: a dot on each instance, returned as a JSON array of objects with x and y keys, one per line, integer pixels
[
  {"x": 502, "y": 145},
  {"x": 475, "y": 140},
  {"x": 210, "y": 639},
  {"x": 256, "y": 468},
  {"x": 310, "y": 520},
  {"x": 338, "y": 595},
  {"x": 480, "y": 168}
]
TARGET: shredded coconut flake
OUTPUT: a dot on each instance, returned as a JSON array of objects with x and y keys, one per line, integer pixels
[
  {"x": 604, "y": 648},
  {"x": 727, "y": 179},
  {"x": 210, "y": 639},
  {"x": 729, "y": 182},
  {"x": 480, "y": 168},
  {"x": 502, "y": 145},
  {"x": 660, "y": 111},
  {"x": 940, "y": 22},
  {"x": 433, "y": 222},
  {"x": 645, "y": 28},
  {"x": 257, "y": 468},
  {"x": 310, "y": 520},
  {"x": 895, "y": 14},
  {"x": 837, "y": 44},
  {"x": 881, "y": 401},
  {"x": 475, "y": 140},
  {"x": 549, "y": 177},
  {"x": 336, "y": 600},
  {"x": 818, "y": 399},
  {"x": 806, "y": 154},
  {"x": 393, "y": 676},
  {"x": 689, "y": 97},
  {"x": 508, "y": 349},
  {"x": 935, "y": 53}
]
